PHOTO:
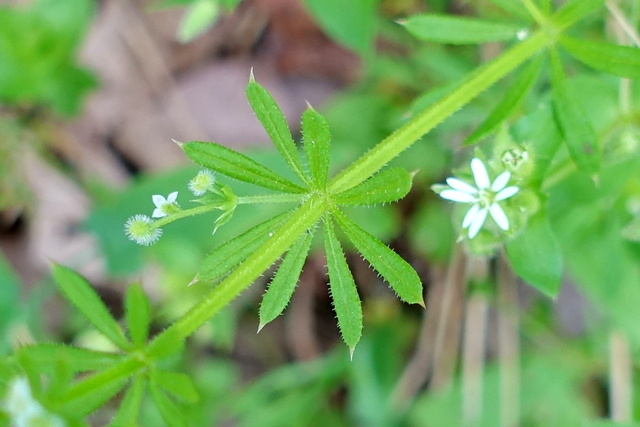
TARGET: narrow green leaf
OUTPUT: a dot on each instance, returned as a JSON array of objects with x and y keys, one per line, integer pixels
[
  {"x": 231, "y": 163},
  {"x": 129, "y": 408},
  {"x": 622, "y": 61},
  {"x": 198, "y": 18},
  {"x": 177, "y": 383},
  {"x": 79, "y": 359},
  {"x": 577, "y": 131},
  {"x": 80, "y": 293},
  {"x": 509, "y": 104},
  {"x": 284, "y": 282},
  {"x": 317, "y": 139},
  {"x": 91, "y": 392},
  {"x": 346, "y": 301},
  {"x": 138, "y": 314},
  {"x": 171, "y": 414},
  {"x": 535, "y": 256},
  {"x": 227, "y": 256},
  {"x": 390, "y": 185},
  {"x": 402, "y": 278},
  {"x": 513, "y": 7},
  {"x": 573, "y": 11},
  {"x": 275, "y": 124},
  {"x": 458, "y": 30}
]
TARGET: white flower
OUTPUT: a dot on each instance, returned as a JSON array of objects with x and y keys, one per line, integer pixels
[
  {"x": 141, "y": 230},
  {"x": 24, "y": 410},
  {"x": 484, "y": 197},
  {"x": 164, "y": 206}
]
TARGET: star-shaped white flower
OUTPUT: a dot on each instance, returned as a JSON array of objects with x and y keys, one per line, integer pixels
[
  {"x": 484, "y": 197},
  {"x": 164, "y": 206}
]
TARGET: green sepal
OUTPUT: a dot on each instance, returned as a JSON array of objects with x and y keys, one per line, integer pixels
[
  {"x": 80, "y": 293},
  {"x": 458, "y": 30},
  {"x": 621, "y": 61},
  {"x": 316, "y": 139},
  {"x": 225, "y": 257},
  {"x": 170, "y": 412},
  {"x": 176, "y": 383},
  {"x": 509, "y": 104},
  {"x": 274, "y": 122},
  {"x": 45, "y": 355},
  {"x": 346, "y": 301},
  {"x": 535, "y": 256},
  {"x": 138, "y": 314},
  {"x": 129, "y": 408},
  {"x": 577, "y": 131},
  {"x": 402, "y": 278},
  {"x": 238, "y": 166},
  {"x": 284, "y": 282},
  {"x": 390, "y": 185}
]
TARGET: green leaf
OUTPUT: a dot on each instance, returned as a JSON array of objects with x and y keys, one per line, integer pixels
[
  {"x": 622, "y": 61},
  {"x": 178, "y": 384},
  {"x": 574, "y": 10},
  {"x": 317, "y": 139},
  {"x": 9, "y": 301},
  {"x": 129, "y": 408},
  {"x": 284, "y": 282},
  {"x": 200, "y": 16},
  {"x": 576, "y": 129},
  {"x": 80, "y": 293},
  {"x": 346, "y": 301},
  {"x": 138, "y": 314},
  {"x": 79, "y": 359},
  {"x": 171, "y": 414},
  {"x": 402, "y": 278},
  {"x": 355, "y": 24},
  {"x": 457, "y": 30},
  {"x": 225, "y": 257},
  {"x": 231, "y": 163},
  {"x": 390, "y": 185},
  {"x": 275, "y": 124},
  {"x": 513, "y": 7},
  {"x": 535, "y": 256},
  {"x": 509, "y": 104}
]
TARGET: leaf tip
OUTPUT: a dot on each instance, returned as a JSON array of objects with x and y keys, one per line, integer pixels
[
  {"x": 178, "y": 143},
  {"x": 252, "y": 78},
  {"x": 260, "y": 326},
  {"x": 193, "y": 281},
  {"x": 422, "y": 304},
  {"x": 402, "y": 22},
  {"x": 351, "y": 350}
]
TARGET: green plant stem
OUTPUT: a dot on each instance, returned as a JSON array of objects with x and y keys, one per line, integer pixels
[
  {"x": 183, "y": 214},
  {"x": 300, "y": 221},
  {"x": 271, "y": 198},
  {"x": 405, "y": 136}
]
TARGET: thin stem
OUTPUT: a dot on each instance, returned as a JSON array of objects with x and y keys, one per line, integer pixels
[
  {"x": 183, "y": 214},
  {"x": 620, "y": 400},
  {"x": 474, "y": 345},
  {"x": 623, "y": 23},
  {"x": 300, "y": 221},
  {"x": 535, "y": 13},
  {"x": 405, "y": 136},
  {"x": 271, "y": 198}
]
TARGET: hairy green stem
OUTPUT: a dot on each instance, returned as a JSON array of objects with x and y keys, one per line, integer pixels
[
  {"x": 271, "y": 198},
  {"x": 300, "y": 221},
  {"x": 405, "y": 136},
  {"x": 183, "y": 214}
]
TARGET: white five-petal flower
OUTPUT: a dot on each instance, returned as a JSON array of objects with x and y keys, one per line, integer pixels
[
  {"x": 164, "y": 206},
  {"x": 484, "y": 197}
]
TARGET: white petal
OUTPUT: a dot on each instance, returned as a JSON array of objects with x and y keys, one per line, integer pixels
[
  {"x": 506, "y": 193},
  {"x": 480, "y": 174},
  {"x": 471, "y": 214},
  {"x": 172, "y": 197},
  {"x": 158, "y": 200},
  {"x": 476, "y": 225},
  {"x": 501, "y": 181},
  {"x": 457, "y": 196},
  {"x": 499, "y": 216},
  {"x": 157, "y": 213},
  {"x": 460, "y": 185}
]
